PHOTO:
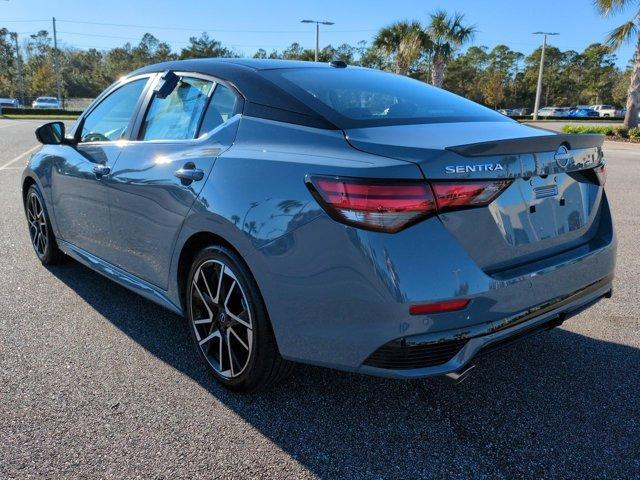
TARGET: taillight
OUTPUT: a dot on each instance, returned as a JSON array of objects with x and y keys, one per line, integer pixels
[
  {"x": 391, "y": 205},
  {"x": 455, "y": 195},
  {"x": 383, "y": 205}
]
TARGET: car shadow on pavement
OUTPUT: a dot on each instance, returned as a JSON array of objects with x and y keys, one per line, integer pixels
[{"x": 558, "y": 404}]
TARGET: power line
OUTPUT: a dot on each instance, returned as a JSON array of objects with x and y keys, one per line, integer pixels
[
  {"x": 25, "y": 21},
  {"x": 192, "y": 29},
  {"x": 185, "y": 29}
]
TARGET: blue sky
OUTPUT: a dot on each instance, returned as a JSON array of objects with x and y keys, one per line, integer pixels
[{"x": 248, "y": 25}]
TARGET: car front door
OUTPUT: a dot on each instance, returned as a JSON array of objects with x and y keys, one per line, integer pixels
[
  {"x": 158, "y": 177},
  {"x": 78, "y": 175}
]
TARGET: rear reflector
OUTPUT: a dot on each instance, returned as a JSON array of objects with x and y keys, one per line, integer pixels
[
  {"x": 391, "y": 205},
  {"x": 386, "y": 205},
  {"x": 439, "y": 307}
]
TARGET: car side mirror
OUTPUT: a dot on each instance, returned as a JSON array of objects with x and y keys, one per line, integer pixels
[{"x": 52, "y": 133}]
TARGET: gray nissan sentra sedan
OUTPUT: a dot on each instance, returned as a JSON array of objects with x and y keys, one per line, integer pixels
[{"x": 324, "y": 214}]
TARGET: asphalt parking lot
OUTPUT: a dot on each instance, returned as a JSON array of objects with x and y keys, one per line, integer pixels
[{"x": 97, "y": 382}]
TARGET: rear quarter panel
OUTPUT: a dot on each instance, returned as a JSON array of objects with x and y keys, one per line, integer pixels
[{"x": 256, "y": 192}]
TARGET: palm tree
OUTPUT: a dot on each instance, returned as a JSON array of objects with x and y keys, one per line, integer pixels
[
  {"x": 624, "y": 33},
  {"x": 404, "y": 43},
  {"x": 447, "y": 33}
]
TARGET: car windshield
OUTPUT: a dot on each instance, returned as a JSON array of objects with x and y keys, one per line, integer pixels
[{"x": 358, "y": 97}]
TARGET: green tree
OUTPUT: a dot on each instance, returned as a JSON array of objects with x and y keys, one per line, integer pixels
[
  {"x": 8, "y": 81},
  {"x": 205, "y": 47},
  {"x": 597, "y": 74},
  {"x": 446, "y": 34},
  {"x": 369, "y": 56},
  {"x": 151, "y": 50},
  {"x": 84, "y": 72},
  {"x": 626, "y": 32},
  {"x": 502, "y": 68},
  {"x": 465, "y": 73},
  {"x": 493, "y": 88},
  {"x": 39, "y": 72},
  {"x": 403, "y": 44}
]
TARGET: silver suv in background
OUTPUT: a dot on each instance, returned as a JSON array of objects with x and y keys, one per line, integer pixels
[
  {"x": 553, "y": 112},
  {"x": 9, "y": 103}
]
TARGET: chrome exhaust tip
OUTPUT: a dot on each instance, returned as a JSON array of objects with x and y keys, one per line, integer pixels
[{"x": 461, "y": 375}]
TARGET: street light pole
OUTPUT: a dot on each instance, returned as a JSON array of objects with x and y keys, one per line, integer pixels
[
  {"x": 56, "y": 63},
  {"x": 317, "y": 22},
  {"x": 540, "y": 72},
  {"x": 317, "y": 40}
]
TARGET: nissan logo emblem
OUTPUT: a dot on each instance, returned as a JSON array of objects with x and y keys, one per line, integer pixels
[{"x": 563, "y": 157}]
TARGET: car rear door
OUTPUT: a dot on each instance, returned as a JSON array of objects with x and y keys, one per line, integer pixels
[
  {"x": 80, "y": 172},
  {"x": 163, "y": 169}
]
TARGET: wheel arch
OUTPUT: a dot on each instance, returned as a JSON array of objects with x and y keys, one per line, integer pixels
[
  {"x": 190, "y": 248},
  {"x": 27, "y": 182}
]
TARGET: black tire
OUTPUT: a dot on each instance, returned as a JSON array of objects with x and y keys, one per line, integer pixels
[
  {"x": 41, "y": 234},
  {"x": 262, "y": 367}
]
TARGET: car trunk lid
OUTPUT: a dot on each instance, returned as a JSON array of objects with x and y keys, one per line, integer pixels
[{"x": 550, "y": 206}]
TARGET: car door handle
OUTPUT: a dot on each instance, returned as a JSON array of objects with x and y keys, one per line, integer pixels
[
  {"x": 101, "y": 170},
  {"x": 189, "y": 174}
]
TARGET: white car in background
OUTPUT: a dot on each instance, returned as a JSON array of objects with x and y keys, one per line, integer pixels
[
  {"x": 46, "y": 102},
  {"x": 605, "y": 110},
  {"x": 553, "y": 112}
]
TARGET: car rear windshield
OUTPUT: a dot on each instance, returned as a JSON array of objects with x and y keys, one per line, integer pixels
[{"x": 358, "y": 97}]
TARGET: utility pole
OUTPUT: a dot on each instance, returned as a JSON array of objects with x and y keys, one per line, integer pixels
[
  {"x": 317, "y": 22},
  {"x": 540, "y": 72},
  {"x": 14, "y": 36},
  {"x": 56, "y": 63}
]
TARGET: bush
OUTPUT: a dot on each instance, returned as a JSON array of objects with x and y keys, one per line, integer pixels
[
  {"x": 601, "y": 129},
  {"x": 622, "y": 132}
]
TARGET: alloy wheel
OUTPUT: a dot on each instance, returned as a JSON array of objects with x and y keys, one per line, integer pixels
[
  {"x": 38, "y": 230},
  {"x": 221, "y": 318}
]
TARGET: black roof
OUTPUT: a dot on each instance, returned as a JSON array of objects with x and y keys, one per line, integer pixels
[{"x": 263, "y": 98}]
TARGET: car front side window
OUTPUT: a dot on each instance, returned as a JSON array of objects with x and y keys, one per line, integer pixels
[
  {"x": 109, "y": 120},
  {"x": 178, "y": 115}
]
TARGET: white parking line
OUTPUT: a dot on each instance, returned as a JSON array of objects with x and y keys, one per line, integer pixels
[
  {"x": 22, "y": 155},
  {"x": 9, "y": 125}
]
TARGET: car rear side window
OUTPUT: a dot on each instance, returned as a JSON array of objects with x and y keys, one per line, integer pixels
[
  {"x": 221, "y": 108},
  {"x": 177, "y": 116},
  {"x": 109, "y": 120},
  {"x": 358, "y": 97}
]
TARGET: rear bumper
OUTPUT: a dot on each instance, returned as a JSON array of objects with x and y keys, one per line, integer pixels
[
  {"x": 348, "y": 293},
  {"x": 463, "y": 345}
]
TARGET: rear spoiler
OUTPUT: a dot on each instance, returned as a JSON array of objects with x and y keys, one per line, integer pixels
[{"x": 544, "y": 143}]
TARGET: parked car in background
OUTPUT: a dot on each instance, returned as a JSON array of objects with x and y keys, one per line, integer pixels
[
  {"x": 325, "y": 214},
  {"x": 623, "y": 112},
  {"x": 10, "y": 102},
  {"x": 605, "y": 110},
  {"x": 553, "y": 112},
  {"x": 583, "y": 113},
  {"x": 505, "y": 111},
  {"x": 46, "y": 102},
  {"x": 520, "y": 112}
]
